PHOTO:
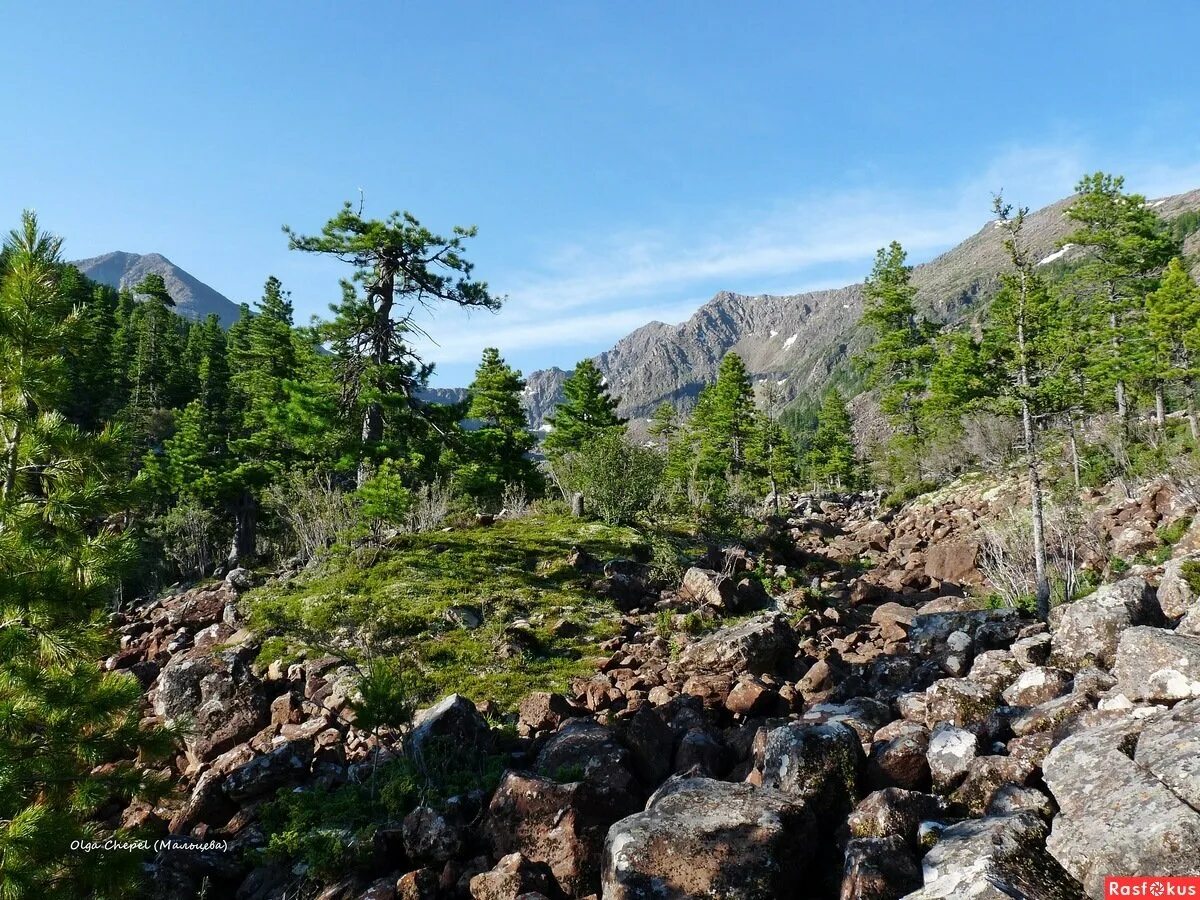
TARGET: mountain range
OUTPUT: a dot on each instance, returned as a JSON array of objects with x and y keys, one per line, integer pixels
[
  {"x": 193, "y": 298},
  {"x": 797, "y": 344},
  {"x": 801, "y": 342}
]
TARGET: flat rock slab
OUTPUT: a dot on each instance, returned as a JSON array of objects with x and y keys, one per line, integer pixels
[{"x": 1116, "y": 815}]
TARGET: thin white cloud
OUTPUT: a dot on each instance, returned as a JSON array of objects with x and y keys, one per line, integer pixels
[{"x": 590, "y": 292}]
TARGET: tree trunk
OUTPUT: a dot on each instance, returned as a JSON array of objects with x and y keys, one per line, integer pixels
[
  {"x": 1119, "y": 389},
  {"x": 1035, "y": 509},
  {"x": 1193, "y": 421},
  {"x": 245, "y": 529},
  {"x": 1160, "y": 406},
  {"x": 1074, "y": 449},
  {"x": 11, "y": 450}
]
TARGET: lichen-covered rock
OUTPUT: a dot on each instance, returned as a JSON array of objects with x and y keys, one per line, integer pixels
[
  {"x": 544, "y": 711},
  {"x": 821, "y": 764},
  {"x": 267, "y": 773},
  {"x": 704, "y": 587},
  {"x": 1169, "y": 749},
  {"x": 994, "y": 858},
  {"x": 898, "y": 758},
  {"x": 704, "y": 838},
  {"x": 1116, "y": 817},
  {"x": 951, "y": 752},
  {"x": 429, "y": 837},
  {"x": 895, "y": 812},
  {"x": 957, "y": 701},
  {"x": 512, "y": 878},
  {"x": 561, "y": 825},
  {"x": 930, "y": 630},
  {"x": 879, "y": 868},
  {"x": 1158, "y": 665},
  {"x": 1038, "y": 685},
  {"x": 1176, "y": 595},
  {"x": 1086, "y": 631},
  {"x": 756, "y": 646}
]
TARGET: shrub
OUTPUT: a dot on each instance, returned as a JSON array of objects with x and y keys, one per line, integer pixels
[
  {"x": 191, "y": 537},
  {"x": 620, "y": 481},
  {"x": 314, "y": 508}
]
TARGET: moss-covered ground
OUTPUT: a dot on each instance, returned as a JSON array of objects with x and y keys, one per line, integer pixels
[{"x": 540, "y": 619}]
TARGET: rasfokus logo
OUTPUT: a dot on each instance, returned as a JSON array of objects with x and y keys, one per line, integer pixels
[{"x": 1151, "y": 886}]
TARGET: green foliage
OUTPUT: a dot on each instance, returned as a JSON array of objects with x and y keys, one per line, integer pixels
[
  {"x": 899, "y": 359},
  {"x": 1172, "y": 534},
  {"x": 831, "y": 457},
  {"x": 399, "y": 265},
  {"x": 61, "y": 717},
  {"x": 585, "y": 413},
  {"x": 330, "y": 830},
  {"x": 495, "y": 455},
  {"x": 385, "y": 699},
  {"x": 620, "y": 481}
]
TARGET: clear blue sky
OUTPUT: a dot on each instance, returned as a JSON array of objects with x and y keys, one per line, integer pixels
[{"x": 623, "y": 161}]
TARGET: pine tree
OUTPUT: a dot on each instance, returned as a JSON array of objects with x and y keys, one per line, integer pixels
[
  {"x": 496, "y": 454},
  {"x": 156, "y": 380},
  {"x": 61, "y": 718},
  {"x": 586, "y": 411},
  {"x": 1019, "y": 349},
  {"x": 397, "y": 261},
  {"x": 898, "y": 361},
  {"x": 1173, "y": 318},
  {"x": 1126, "y": 245},
  {"x": 831, "y": 456}
]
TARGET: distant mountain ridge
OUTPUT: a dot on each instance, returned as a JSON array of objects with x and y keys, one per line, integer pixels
[
  {"x": 193, "y": 298},
  {"x": 800, "y": 341}
]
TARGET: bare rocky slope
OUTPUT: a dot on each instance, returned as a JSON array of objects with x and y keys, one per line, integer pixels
[
  {"x": 799, "y": 341},
  {"x": 193, "y": 298},
  {"x": 874, "y": 734}
]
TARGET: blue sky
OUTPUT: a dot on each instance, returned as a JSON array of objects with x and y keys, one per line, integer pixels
[{"x": 623, "y": 161}]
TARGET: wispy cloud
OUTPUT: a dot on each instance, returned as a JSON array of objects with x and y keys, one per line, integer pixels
[{"x": 587, "y": 293}]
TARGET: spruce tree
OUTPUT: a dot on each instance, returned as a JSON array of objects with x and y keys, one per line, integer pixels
[
  {"x": 899, "y": 358},
  {"x": 496, "y": 453},
  {"x": 65, "y": 725},
  {"x": 831, "y": 456},
  {"x": 723, "y": 420},
  {"x": 586, "y": 412}
]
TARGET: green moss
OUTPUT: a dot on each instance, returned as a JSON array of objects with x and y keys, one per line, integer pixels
[
  {"x": 395, "y": 600},
  {"x": 1172, "y": 534},
  {"x": 1190, "y": 570}
]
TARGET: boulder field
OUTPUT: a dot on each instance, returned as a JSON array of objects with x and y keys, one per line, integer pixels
[{"x": 878, "y": 733}]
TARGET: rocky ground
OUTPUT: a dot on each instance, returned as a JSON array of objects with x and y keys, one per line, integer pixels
[{"x": 877, "y": 732}]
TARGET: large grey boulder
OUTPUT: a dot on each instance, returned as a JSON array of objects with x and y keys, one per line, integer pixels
[
  {"x": 1158, "y": 665},
  {"x": 1087, "y": 631},
  {"x": 1116, "y": 815},
  {"x": 1169, "y": 749},
  {"x": 820, "y": 764},
  {"x": 756, "y": 646},
  {"x": 1175, "y": 593},
  {"x": 703, "y": 838},
  {"x": 994, "y": 858},
  {"x": 454, "y": 721}
]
